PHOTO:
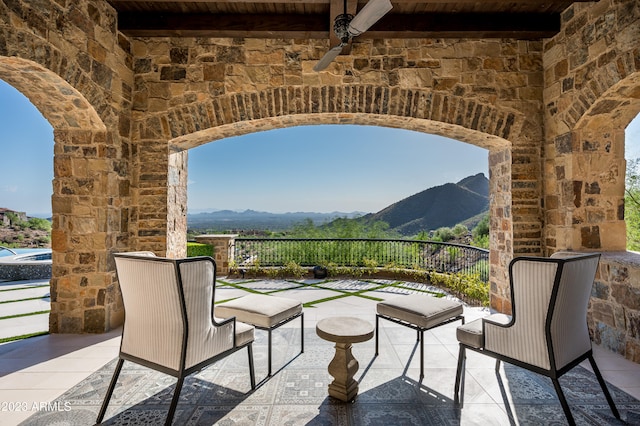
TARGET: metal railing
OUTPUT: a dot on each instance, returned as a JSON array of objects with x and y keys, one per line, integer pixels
[{"x": 389, "y": 253}]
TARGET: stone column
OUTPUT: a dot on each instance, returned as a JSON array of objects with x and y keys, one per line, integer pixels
[
  {"x": 177, "y": 205},
  {"x": 501, "y": 228},
  {"x": 150, "y": 190},
  {"x": 223, "y": 248},
  {"x": 84, "y": 297},
  {"x": 585, "y": 191}
]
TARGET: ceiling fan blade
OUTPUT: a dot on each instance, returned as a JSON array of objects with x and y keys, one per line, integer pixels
[
  {"x": 369, "y": 15},
  {"x": 328, "y": 57}
]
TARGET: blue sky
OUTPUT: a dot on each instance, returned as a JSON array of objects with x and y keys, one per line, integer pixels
[{"x": 309, "y": 168}]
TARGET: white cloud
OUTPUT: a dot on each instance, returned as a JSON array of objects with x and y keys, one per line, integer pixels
[{"x": 10, "y": 189}]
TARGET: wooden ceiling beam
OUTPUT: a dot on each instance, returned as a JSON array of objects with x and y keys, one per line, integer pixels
[
  {"x": 315, "y": 26},
  {"x": 146, "y": 24}
]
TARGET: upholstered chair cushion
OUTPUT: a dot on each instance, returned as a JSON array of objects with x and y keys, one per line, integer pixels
[
  {"x": 260, "y": 310},
  {"x": 421, "y": 310}
]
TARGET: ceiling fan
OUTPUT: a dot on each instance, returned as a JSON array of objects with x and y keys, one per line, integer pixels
[{"x": 347, "y": 26}]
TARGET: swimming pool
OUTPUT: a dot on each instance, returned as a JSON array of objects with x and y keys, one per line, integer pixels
[{"x": 24, "y": 264}]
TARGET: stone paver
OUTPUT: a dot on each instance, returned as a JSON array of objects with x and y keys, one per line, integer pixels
[
  {"x": 19, "y": 326},
  {"x": 21, "y": 294},
  {"x": 12, "y": 303},
  {"x": 24, "y": 307}
]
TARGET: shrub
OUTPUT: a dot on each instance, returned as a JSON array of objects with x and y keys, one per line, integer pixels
[
  {"x": 39, "y": 224},
  {"x": 467, "y": 286},
  {"x": 292, "y": 269},
  {"x": 480, "y": 233},
  {"x": 370, "y": 265},
  {"x": 198, "y": 249},
  {"x": 443, "y": 234},
  {"x": 460, "y": 230}
]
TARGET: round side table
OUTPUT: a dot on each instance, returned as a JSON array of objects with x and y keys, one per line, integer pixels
[{"x": 344, "y": 331}]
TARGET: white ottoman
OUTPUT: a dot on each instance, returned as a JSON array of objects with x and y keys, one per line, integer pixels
[
  {"x": 420, "y": 312},
  {"x": 264, "y": 313}
]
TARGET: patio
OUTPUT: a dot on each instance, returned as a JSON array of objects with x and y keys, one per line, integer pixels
[{"x": 62, "y": 379}]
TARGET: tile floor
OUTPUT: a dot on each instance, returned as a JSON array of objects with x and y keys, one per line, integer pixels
[{"x": 35, "y": 372}]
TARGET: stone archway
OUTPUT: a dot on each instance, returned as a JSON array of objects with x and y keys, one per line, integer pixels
[
  {"x": 585, "y": 203},
  {"x": 587, "y": 171},
  {"x": 80, "y": 197},
  {"x": 480, "y": 124},
  {"x": 614, "y": 313}
]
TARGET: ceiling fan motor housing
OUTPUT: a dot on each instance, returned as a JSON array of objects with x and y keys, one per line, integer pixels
[{"x": 341, "y": 27}]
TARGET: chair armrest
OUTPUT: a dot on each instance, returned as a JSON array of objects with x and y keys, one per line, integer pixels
[
  {"x": 498, "y": 320},
  {"x": 225, "y": 321}
]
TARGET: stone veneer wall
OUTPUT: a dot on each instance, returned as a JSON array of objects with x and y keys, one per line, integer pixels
[
  {"x": 614, "y": 311},
  {"x": 592, "y": 81}
]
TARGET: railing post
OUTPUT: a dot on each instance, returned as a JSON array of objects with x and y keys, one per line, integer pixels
[{"x": 223, "y": 249}]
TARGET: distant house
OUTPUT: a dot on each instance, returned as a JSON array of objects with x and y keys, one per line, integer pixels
[{"x": 5, "y": 214}]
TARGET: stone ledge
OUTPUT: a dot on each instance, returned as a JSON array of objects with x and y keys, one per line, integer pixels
[{"x": 626, "y": 258}]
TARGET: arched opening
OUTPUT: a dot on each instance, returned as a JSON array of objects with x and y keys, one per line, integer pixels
[
  {"x": 28, "y": 149},
  {"x": 79, "y": 301},
  {"x": 343, "y": 168},
  {"x": 499, "y": 165},
  {"x": 25, "y": 228},
  {"x": 270, "y": 178}
]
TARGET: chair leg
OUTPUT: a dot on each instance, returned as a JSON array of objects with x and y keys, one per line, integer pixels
[
  {"x": 421, "y": 335},
  {"x": 377, "y": 333},
  {"x": 269, "y": 352},
  {"x": 563, "y": 402},
  {"x": 603, "y": 385},
  {"x": 302, "y": 332},
  {"x": 174, "y": 402},
  {"x": 252, "y": 374},
  {"x": 112, "y": 385},
  {"x": 459, "y": 386}
]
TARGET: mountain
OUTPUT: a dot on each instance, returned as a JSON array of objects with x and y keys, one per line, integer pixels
[
  {"x": 436, "y": 207},
  {"x": 224, "y": 220},
  {"x": 444, "y": 205}
]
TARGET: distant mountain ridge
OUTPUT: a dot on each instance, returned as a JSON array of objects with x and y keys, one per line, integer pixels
[
  {"x": 440, "y": 206},
  {"x": 252, "y": 219}
]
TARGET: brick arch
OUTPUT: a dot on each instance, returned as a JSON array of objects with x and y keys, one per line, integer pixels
[
  {"x": 597, "y": 86},
  {"x": 417, "y": 109},
  {"x": 617, "y": 106}
]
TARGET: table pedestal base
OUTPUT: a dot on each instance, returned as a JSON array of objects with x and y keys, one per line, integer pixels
[{"x": 343, "y": 367}]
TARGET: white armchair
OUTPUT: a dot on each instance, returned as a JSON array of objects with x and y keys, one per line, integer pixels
[
  {"x": 169, "y": 319},
  {"x": 547, "y": 332}
]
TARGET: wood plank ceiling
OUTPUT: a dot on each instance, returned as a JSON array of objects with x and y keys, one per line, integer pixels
[{"x": 313, "y": 19}]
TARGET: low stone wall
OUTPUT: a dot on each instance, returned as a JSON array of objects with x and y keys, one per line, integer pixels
[
  {"x": 614, "y": 310},
  {"x": 25, "y": 271}
]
